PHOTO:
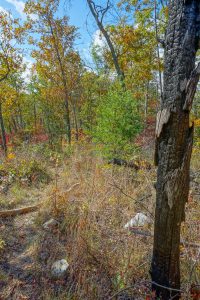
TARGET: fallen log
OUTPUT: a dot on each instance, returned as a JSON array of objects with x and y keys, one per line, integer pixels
[
  {"x": 19, "y": 211},
  {"x": 137, "y": 165},
  {"x": 123, "y": 162},
  {"x": 27, "y": 209}
]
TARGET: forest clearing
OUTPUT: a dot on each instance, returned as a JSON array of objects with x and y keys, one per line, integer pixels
[{"x": 100, "y": 145}]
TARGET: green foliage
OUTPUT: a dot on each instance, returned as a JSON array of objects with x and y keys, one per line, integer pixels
[{"x": 118, "y": 123}]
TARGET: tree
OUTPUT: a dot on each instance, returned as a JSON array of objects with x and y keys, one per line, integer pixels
[
  {"x": 98, "y": 13},
  {"x": 174, "y": 137},
  {"x": 55, "y": 45},
  {"x": 117, "y": 123},
  {"x": 10, "y": 59}
]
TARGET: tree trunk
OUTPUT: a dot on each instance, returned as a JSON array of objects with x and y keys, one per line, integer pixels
[
  {"x": 146, "y": 103},
  {"x": 99, "y": 22},
  {"x": 64, "y": 80},
  {"x": 14, "y": 124},
  {"x": 68, "y": 118},
  {"x": 35, "y": 116},
  {"x": 75, "y": 118},
  {"x": 3, "y": 132},
  {"x": 174, "y": 138}
]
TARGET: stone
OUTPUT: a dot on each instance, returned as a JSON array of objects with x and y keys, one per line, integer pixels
[
  {"x": 4, "y": 189},
  {"x": 59, "y": 268},
  {"x": 140, "y": 220},
  {"x": 50, "y": 225}
]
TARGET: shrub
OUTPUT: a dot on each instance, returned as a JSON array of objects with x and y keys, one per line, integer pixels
[{"x": 118, "y": 122}]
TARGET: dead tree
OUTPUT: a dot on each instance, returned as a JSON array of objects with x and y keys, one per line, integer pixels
[
  {"x": 174, "y": 138},
  {"x": 98, "y": 13}
]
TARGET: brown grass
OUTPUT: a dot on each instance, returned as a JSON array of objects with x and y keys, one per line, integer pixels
[{"x": 105, "y": 257}]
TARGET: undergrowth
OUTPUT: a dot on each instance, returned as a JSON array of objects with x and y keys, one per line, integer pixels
[
  {"x": 106, "y": 260},
  {"x": 104, "y": 257}
]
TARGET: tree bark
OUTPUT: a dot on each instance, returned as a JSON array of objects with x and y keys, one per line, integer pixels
[{"x": 174, "y": 138}]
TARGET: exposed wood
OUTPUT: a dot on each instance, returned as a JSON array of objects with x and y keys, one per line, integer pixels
[
  {"x": 161, "y": 119},
  {"x": 191, "y": 88}
]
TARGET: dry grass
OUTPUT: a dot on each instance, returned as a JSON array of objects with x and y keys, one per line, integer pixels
[{"x": 105, "y": 257}]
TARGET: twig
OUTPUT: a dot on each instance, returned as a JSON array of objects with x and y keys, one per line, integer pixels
[
  {"x": 137, "y": 201},
  {"x": 72, "y": 187},
  {"x": 149, "y": 282},
  {"x": 149, "y": 234}
]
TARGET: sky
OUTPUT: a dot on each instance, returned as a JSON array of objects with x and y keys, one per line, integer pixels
[{"x": 79, "y": 16}]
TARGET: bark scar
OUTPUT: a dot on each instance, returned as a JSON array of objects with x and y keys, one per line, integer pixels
[
  {"x": 161, "y": 119},
  {"x": 180, "y": 175},
  {"x": 191, "y": 88}
]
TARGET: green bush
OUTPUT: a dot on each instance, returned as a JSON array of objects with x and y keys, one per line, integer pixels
[{"x": 117, "y": 124}]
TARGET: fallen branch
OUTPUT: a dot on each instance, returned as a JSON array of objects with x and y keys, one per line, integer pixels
[
  {"x": 19, "y": 211},
  {"x": 72, "y": 187},
  {"x": 122, "y": 162}
]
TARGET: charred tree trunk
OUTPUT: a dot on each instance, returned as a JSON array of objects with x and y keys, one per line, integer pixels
[
  {"x": 3, "y": 132},
  {"x": 174, "y": 138}
]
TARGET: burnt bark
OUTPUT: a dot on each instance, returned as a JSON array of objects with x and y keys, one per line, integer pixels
[{"x": 174, "y": 138}]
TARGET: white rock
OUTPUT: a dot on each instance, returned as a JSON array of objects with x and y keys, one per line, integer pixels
[
  {"x": 51, "y": 224},
  {"x": 59, "y": 268},
  {"x": 138, "y": 221}
]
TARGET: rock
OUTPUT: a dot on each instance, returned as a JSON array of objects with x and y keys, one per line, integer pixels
[
  {"x": 50, "y": 225},
  {"x": 59, "y": 268},
  {"x": 11, "y": 178},
  {"x": 140, "y": 220},
  {"x": 4, "y": 189},
  {"x": 43, "y": 256}
]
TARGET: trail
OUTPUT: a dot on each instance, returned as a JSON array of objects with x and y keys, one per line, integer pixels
[
  {"x": 24, "y": 266},
  {"x": 17, "y": 265}
]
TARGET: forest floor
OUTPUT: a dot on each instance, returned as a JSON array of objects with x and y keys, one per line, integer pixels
[{"x": 104, "y": 257}]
